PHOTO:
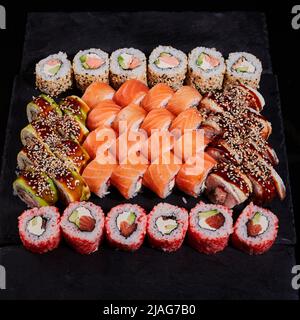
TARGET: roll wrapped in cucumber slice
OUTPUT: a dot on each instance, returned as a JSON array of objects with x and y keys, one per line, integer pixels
[
  {"x": 35, "y": 188},
  {"x": 41, "y": 106},
  {"x": 75, "y": 107}
]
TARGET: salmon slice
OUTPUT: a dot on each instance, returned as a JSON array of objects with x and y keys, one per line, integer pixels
[
  {"x": 99, "y": 141},
  {"x": 97, "y": 174},
  {"x": 160, "y": 175},
  {"x": 157, "y": 144},
  {"x": 157, "y": 97},
  {"x": 129, "y": 118},
  {"x": 97, "y": 92},
  {"x": 102, "y": 115},
  {"x": 131, "y": 91},
  {"x": 184, "y": 98},
  {"x": 190, "y": 143},
  {"x": 127, "y": 147},
  {"x": 188, "y": 119},
  {"x": 127, "y": 178},
  {"x": 192, "y": 175},
  {"x": 157, "y": 119}
]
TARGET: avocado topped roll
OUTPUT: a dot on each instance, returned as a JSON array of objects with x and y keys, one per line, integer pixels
[
  {"x": 125, "y": 64},
  {"x": 42, "y": 105},
  {"x": 35, "y": 188},
  {"x": 243, "y": 67},
  {"x": 54, "y": 74},
  {"x": 167, "y": 65},
  {"x": 75, "y": 107},
  {"x": 206, "y": 69},
  {"x": 89, "y": 66}
]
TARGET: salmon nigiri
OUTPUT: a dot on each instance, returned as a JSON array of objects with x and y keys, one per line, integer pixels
[
  {"x": 131, "y": 91},
  {"x": 97, "y": 92},
  {"x": 157, "y": 119},
  {"x": 157, "y": 97},
  {"x": 103, "y": 114},
  {"x": 99, "y": 141},
  {"x": 160, "y": 175},
  {"x": 127, "y": 178},
  {"x": 188, "y": 119},
  {"x": 129, "y": 118},
  {"x": 97, "y": 174},
  {"x": 190, "y": 143},
  {"x": 184, "y": 98},
  {"x": 192, "y": 175}
]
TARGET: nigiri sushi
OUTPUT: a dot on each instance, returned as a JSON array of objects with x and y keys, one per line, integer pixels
[
  {"x": 192, "y": 175},
  {"x": 99, "y": 141},
  {"x": 129, "y": 118},
  {"x": 157, "y": 97},
  {"x": 184, "y": 98},
  {"x": 97, "y": 92},
  {"x": 127, "y": 178},
  {"x": 160, "y": 175},
  {"x": 188, "y": 119},
  {"x": 103, "y": 114},
  {"x": 159, "y": 119},
  {"x": 131, "y": 91},
  {"x": 97, "y": 174}
]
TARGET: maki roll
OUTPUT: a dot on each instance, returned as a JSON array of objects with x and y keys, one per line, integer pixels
[
  {"x": 125, "y": 64},
  {"x": 209, "y": 227},
  {"x": 35, "y": 188},
  {"x": 42, "y": 105},
  {"x": 206, "y": 69},
  {"x": 39, "y": 229},
  {"x": 97, "y": 92},
  {"x": 54, "y": 74},
  {"x": 89, "y": 66},
  {"x": 125, "y": 226},
  {"x": 82, "y": 226},
  {"x": 255, "y": 230},
  {"x": 75, "y": 107},
  {"x": 243, "y": 67},
  {"x": 184, "y": 98},
  {"x": 167, "y": 65},
  {"x": 167, "y": 226}
]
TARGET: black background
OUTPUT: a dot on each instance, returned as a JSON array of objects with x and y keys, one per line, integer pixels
[{"x": 285, "y": 53}]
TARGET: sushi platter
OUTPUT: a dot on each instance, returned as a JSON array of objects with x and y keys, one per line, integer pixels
[{"x": 163, "y": 153}]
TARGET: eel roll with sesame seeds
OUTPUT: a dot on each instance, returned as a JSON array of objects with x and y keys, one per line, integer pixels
[
  {"x": 75, "y": 107},
  {"x": 42, "y": 105},
  {"x": 35, "y": 188}
]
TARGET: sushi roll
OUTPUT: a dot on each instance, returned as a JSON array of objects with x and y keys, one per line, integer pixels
[
  {"x": 39, "y": 229},
  {"x": 102, "y": 115},
  {"x": 184, "y": 98},
  {"x": 75, "y": 107},
  {"x": 227, "y": 185},
  {"x": 131, "y": 91},
  {"x": 42, "y": 105},
  {"x": 255, "y": 230},
  {"x": 192, "y": 175},
  {"x": 167, "y": 226},
  {"x": 97, "y": 174},
  {"x": 35, "y": 188},
  {"x": 243, "y": 67},
  {"x": 97, "y": 92},
  {"x": 209, "y": 227},
  {"x": 89, "y": 66},
  {"x": 167, "y": 65},
  {"x": 157, "y": 97},
  {"x": 125, "y": 64},
  {"x": 206, "y": 69},
  {"x": 157, "y": 119},
  {"x": 190, "y": 119},
  {"x": 54, "y": 74},
  {"x": 82, "y": 225},
  {"x": 125, "y": 227}
]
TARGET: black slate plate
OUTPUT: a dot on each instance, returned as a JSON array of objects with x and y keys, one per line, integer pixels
[{"x": 147, "y": 273}]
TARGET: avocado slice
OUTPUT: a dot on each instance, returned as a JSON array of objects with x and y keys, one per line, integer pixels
[
  {"x": 256, "y": 217},
  {"x": 74, "y": 216},
  {"x": 83, "y": 58},
  {"x": 170, "y": 227},
  {"x": 131, "y": 218},
  {"x": 207, "y": 214},
  {"x": 242, "y": 69},
  {"x": 121, "y": 62},
  {"x": 55, "y": 69},
  {"x": 199, "y": 61}
]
